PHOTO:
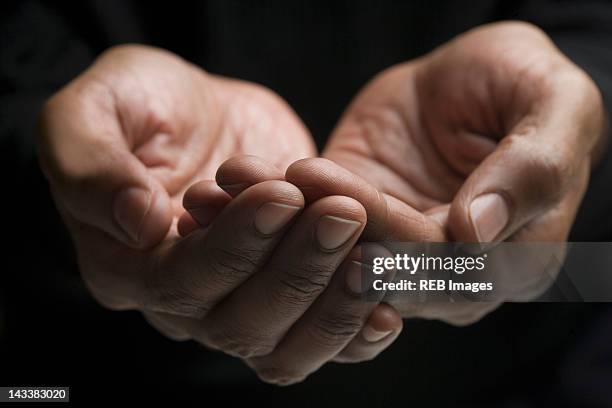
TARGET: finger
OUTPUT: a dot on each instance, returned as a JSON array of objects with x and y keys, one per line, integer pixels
[
  {"x": 532, "y": 168},
  {"x": 382, "y": 328},
  {"x": 204, "y": 200},
  {"x": 186, "y": 224},
  {"x": 325, "y": 328},
  {"x": 298, "y": 271},
  {"x": 194, "y": 273},
  {"x": 439, "y": 213},
  {"x": 94, "y": 175},
  {"x": 240, "y": 172},
  {"x": 388, "y": 217}
]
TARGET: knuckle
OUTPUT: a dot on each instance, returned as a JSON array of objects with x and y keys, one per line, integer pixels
[
  {"x": 555, "y": 173},
  {"x": 178, "y": 300},
  {"x": 299, "y": 287},
  {"x": 552, "y": 175},
  {"x": 544, "y": 166},
  {"x": 239, "y": 342},
  {"x": 228, "y": 266},
  {"x": 334, "y": 330},
  {"x": 172, "y": 294}
]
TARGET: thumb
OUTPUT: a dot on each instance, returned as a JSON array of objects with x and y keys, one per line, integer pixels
[
  {"x": 95, "y": 178},
  {"x": 520, "y": 180}
]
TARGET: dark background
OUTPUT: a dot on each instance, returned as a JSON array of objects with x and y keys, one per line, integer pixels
[{"x": 316, "y": 55}]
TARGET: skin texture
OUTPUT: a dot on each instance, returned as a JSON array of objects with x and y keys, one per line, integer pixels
[
  {"x": 487, "y": 138},
  {"x": 121, "y": 144},
  {"x": 497, "y": 110}
]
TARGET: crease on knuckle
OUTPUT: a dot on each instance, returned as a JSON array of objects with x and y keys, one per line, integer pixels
[
  {"x": 228, "y": 267},
  {"x": 175, "y": 295},
  {"x": 336, "y": 329},
  {"x": 301, "y": 287},
  {"x": 179, "y": 300}
]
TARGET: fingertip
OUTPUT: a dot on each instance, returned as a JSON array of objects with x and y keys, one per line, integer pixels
[
  {"x": 489, "y": 215},
  {"x": 157, "y": 220},
  {"x": 240, "y": 172},
  {"x": 186, "y": 224},
  {"x": 204, "y": 192},
  {"x": 309, "y": 163},
  {"x": 382, "y": 324},
  {"x": 277, "y": 191},
  {"x": 204, "y": 200},
  {"x": 385, "y": 318},
  {"x": 314, "y": 176},
  {"x": 439, "y": 214}
]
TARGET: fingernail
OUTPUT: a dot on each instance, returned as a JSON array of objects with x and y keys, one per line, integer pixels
[
  {"x": 354, "y": 276},
  {"x": 372, "y": 335},
  {"x": 272, "y": 217},
  {"x": 489, "y": 215},
  {"x": 333, "y": 232},
  {"x": 234, "y": 189},
  {"x": 130, "y": 208}
]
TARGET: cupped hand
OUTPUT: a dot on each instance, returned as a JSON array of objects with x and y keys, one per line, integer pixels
[
  {"x": 122, "y": 142},
  {"x": 492, "y": 135},
  {"x": 497, "y": 124}
]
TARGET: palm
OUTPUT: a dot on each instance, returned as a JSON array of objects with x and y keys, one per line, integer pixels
[
  {"x": 419, "y": 129},
  {"x": 182, "y": 124},
  {"x": 417, "y": 132},
  {"x": 382, "y": 139}
]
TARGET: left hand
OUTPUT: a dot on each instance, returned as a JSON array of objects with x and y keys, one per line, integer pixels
[{"x": 493, "y": 134}]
